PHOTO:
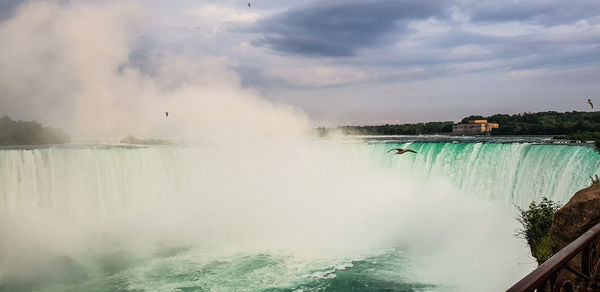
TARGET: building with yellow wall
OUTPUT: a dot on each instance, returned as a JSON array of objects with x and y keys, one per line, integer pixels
[{"x": 474, "y": 127}]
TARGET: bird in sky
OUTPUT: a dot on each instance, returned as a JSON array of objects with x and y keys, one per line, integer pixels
[
  {"x": 590, "y": 103},
  {"x": 167, "y": 114},
  {"x": 401, "y": 151}
]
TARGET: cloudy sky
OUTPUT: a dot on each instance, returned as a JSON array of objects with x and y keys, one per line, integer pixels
[{"x": 369, "y": 62}]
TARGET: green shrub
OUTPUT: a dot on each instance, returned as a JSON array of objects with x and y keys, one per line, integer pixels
[{"x": 536, "y": 222}]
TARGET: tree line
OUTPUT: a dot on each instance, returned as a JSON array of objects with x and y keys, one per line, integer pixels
[
  {"x": 387, "y": 129},
  {"x": 29, "y": 133},
  {"x": 584, "y": 126},
  {"x": 543, "y": 123},
  {"x": 569, "y": 124}
]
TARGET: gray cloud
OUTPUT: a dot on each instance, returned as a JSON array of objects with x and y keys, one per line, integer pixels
[
  {"x": 306, "y": 45},
  {"x": 340, "y": 28},
  {"x": 546, "y": 12},
  {"x": 458, "y": 37},
  {"x": 506, "y": 55},
  {"x": 8, "y": 7},
  {"x": 368, "y": 55},
  {"x": 480, "y": 52}
]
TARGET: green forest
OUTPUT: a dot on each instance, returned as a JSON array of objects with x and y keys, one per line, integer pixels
[
  {"x": 544, "y": 123},
  {"x": 404, "y": 129},
  {"x": 567, "y": 125},
  {"x": 29, "y": 133}
]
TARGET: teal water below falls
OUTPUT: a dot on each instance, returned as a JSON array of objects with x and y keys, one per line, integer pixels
[
  {"x": 182, "y": 271},
  {"x": 314, "y": 216}
]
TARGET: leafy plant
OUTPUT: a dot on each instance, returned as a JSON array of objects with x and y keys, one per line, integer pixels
[
  {"x": 595, "y": 180},
  {"x": 536, "y": 222}
]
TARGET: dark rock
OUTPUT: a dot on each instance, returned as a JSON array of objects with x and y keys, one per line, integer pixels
[{"x": 580, "y": 214}]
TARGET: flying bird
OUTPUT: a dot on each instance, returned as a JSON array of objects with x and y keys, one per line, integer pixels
[
  {"x": 590, "y": 103},
  {"x": 167, "y": 114},
  {"x": 401, "y": 151}
]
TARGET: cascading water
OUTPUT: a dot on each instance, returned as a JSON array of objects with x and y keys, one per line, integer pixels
[
  {"x": 316, "y": 215},
  {"x": 517, "y": 173},
  {"x": 97, "y": 179}
]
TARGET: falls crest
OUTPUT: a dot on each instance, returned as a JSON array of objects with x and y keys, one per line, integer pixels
[
  {"x": 516, "y": 173},
  {"x": 97, "y": 180}
]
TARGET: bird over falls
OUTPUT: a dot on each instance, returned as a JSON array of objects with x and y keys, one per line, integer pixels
[{"x": 401, "y": 151}]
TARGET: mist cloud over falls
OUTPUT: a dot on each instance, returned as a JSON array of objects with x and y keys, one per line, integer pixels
[
  {"x": 313, "y": 200},
  {"x": 69, "y": 65}
]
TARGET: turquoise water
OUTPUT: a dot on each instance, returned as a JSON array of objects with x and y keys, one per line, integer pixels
[
  {"x": 315, "y": 216},
  {"x": 178, "y": 271},
  {"x": 512, "y": 172}
]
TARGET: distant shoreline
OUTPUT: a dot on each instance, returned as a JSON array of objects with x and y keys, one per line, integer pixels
[
  {"x": 369, "y": 139},
  {"x": 567, "y": 124},
  {"x": 427, "y": 138}
]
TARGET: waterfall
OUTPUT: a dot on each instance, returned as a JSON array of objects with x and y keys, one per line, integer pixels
[
  {"x": 517, "y": 173},
  {"x": 304, "y": 207},
  {"x": 99, "y": 179}
]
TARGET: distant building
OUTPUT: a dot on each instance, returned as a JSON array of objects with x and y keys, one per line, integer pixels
[{"x": 474, "y": 127}]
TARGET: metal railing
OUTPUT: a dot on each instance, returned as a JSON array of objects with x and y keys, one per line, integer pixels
[{"x": 559, "y": 274}]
